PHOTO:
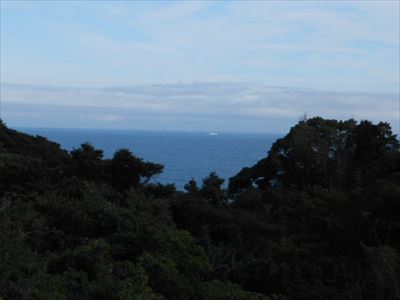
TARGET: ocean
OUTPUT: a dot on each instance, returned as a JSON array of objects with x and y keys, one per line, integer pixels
[{"x": 185, "y": 155}]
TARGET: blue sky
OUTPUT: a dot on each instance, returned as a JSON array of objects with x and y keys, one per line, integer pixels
[{"x": 227, "y": 66}]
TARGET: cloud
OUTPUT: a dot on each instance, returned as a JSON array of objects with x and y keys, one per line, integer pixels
[
  {"x": 192, "y": 106},
  {"x": 111, "y": 118},
  {"x": 335, "y": 45}
]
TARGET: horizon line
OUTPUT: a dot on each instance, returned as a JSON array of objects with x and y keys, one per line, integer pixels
[{"x": 145, "y": 130}]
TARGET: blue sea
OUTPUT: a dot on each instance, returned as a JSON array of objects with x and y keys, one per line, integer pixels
[{"x": 185, "y": 155}]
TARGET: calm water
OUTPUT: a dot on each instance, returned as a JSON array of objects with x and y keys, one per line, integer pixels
[{"x": 184, "y": 155}]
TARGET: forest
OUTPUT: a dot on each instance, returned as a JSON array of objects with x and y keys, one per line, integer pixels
[{"x": 317, "y": 218}]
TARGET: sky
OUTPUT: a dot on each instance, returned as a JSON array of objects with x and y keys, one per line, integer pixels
[{"x": 198, "y": 66}]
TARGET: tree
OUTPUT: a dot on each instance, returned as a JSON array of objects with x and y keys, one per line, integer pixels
[
  {"x": 191, "y": 187},
  {"x": 212, "y": 189},
  {"x": 130, "y": 171},
  {"x": 329, "y": 153},
  {"x": 88, "y": 162}
]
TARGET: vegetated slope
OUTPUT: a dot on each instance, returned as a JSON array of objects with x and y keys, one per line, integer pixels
[
  {"x": 318, "y": 218},
  {"x": 76, "y": 226}
]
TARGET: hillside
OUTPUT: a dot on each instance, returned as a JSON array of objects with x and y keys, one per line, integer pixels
[{"x": 318, "y": 218}]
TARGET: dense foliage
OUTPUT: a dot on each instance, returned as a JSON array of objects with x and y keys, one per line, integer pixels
[{"x": 317, "y": 218}]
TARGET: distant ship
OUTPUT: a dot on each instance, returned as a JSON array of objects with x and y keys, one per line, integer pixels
[{"x": 213, "y": 133}]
